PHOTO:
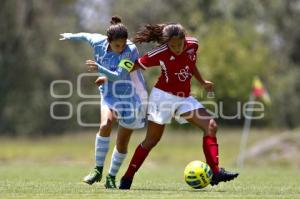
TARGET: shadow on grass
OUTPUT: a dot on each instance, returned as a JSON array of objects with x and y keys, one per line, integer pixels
[{"x": 171, "y": 190}]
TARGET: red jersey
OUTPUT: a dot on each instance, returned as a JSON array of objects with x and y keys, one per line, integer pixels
[{"x": 176, "y": 70}]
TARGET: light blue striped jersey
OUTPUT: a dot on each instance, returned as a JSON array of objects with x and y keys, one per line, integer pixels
[{"x": 120, "y": 82}]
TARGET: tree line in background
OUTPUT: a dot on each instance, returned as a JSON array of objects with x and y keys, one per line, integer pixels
[{"x": 238, "y": 40}]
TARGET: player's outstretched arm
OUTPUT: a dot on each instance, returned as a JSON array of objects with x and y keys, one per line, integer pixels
[
  {"x": 76, "y": 36},
  {"x": 111, "y": 75}
]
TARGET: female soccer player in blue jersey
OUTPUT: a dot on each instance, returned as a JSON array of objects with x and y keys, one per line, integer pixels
[{"x": 123, "y": 95}]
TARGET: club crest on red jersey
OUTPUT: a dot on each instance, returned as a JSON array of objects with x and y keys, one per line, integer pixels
[{"x": 184, "y": 74}]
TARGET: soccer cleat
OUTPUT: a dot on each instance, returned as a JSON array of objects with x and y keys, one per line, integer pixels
[
  {"x": 125, "y": 183},
  {"x": 110, "y": 182},
  {"x": 222, "y": 176},
  {"x": 94, "y": 176}
]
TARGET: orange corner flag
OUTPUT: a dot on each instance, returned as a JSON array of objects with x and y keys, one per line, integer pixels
[{"x": 259, "y": 91}]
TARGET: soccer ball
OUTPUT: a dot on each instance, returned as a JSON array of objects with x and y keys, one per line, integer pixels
[{"x": 197, "y": 174}]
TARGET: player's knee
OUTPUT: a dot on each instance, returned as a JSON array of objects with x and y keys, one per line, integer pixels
[
  {"x": 150, "y": 143},
  {"x": 105, "y": 126},
  {"x": 212, "y": 127},
  {"x": 122, "y": 147}
]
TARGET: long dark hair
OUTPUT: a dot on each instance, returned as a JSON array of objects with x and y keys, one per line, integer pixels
[
  {"x": 116, "y": 30},
  {"x": 160, "y": 33}
]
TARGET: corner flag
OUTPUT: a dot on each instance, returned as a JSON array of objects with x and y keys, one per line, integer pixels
[{"x": 259, "y": 91}]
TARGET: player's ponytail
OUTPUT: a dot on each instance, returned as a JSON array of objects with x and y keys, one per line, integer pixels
[
  {"x": 159, "y": 33},
  {"x": 115, "y": 20},
  {"x": 116, "y": 30},
  {"x": 149, "y": 33}
]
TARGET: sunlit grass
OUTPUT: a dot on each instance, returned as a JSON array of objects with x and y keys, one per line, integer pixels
[{"x": 53, "y": 168}]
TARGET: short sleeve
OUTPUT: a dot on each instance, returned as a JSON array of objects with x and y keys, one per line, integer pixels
[
  {"x": 134, "y": 54},
  {"x": 153, "y": 57}
]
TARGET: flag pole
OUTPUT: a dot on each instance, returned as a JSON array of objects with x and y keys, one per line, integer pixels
[{"x": 246, "y": 130}]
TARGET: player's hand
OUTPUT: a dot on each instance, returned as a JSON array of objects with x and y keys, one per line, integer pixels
[
  {"x": 136, "y": 67},
  {"x": 208, "y": 86},
  {"x": 100, "y": 80},
  {"x": 65, "y": 36},
  {"x": 92, "y": 65}
]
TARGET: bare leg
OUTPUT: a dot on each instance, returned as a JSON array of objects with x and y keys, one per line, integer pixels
[
  {"x": 106, "y": 121},
  {"x": 101, "y": 145},
  {"x": 123, "y": 138},
  {"x": 201, "y": 119},
  {"x": 154, "y": 134}
]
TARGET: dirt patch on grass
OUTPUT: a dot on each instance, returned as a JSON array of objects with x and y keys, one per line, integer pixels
[{"x": 279, "y": 150}]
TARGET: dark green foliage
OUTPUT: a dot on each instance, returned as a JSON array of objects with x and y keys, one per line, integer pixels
[{"x": 238, "y": 39}]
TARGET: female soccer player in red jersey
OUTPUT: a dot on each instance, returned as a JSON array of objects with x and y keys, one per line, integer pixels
[{"x": 176, "y": 55}]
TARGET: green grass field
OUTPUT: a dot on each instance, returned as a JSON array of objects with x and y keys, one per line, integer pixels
[{"x": 53, "y": 168}]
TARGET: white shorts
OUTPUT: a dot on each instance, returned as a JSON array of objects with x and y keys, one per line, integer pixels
[{"x": 162, "y": 106}]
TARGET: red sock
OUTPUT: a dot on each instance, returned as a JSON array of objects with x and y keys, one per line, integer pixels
[
  {"x": 210, "y": 148},
  {"x": 137, "y": 160}
]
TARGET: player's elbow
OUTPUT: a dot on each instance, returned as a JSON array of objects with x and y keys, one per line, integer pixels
[{"x": 116, "y": 76}]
